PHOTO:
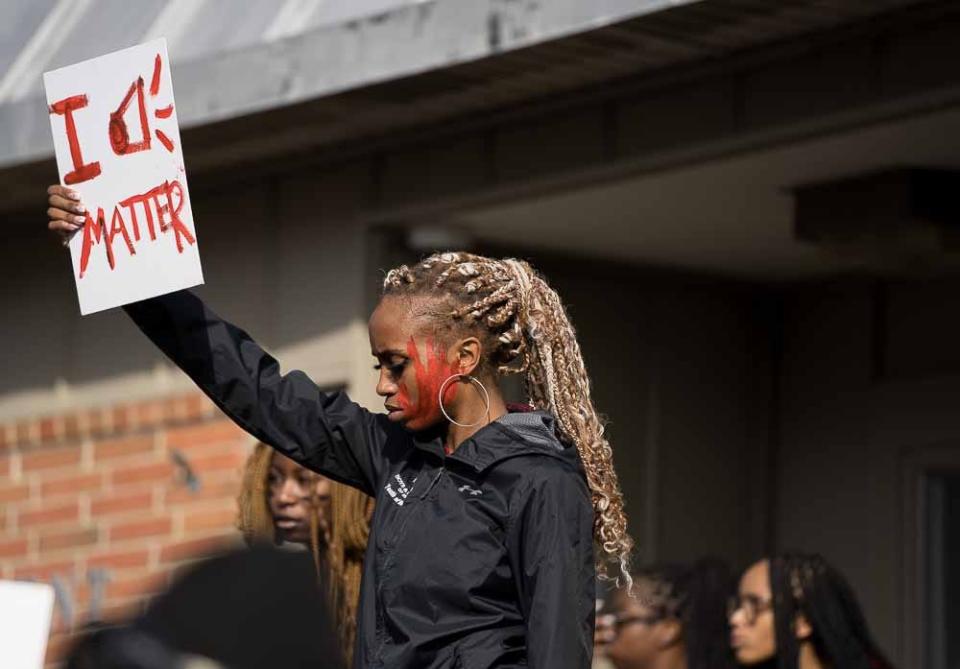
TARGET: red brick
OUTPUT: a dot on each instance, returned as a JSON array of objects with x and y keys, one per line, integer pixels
[
  {"x": 211, "y": 487},
  {"x": 68, "y": 539},
  {"x": 97, "y": 422},
  {"x": 24, "y": 432},
  {"x": 175, "y": 409},
  {"x": 218, "y": 431},
  {"x": 48, "y": 429},
  {"x": 115, "y": 448},
  {"x": 14, "y": 493},
  {"x": 151, "y": 413},
  {"x": 119, "y": 560},
  {"x": 196, "y": 548},
  {"x": 44, "y": 571},
  {"x": 109, "y": 504},
  {"x": 122, "y": 418},
  {"x": 5, "y": 461},
  {"x": 152, "y": 473},
  {"x": 50, "y": 458},
  {"x": 138, "y": 529},
  {"x": 116, "y": 613},
  {"x": 71, "y": 427},
  {"x": 49, "y": 515},
  {"x": 71, "y": 485},
  {"x": 138, "y": 586},
  {"x": 233, "y": 459},
  {"x": 212, "y": 448},
  {"x": 13, "y": 548},
  {"x": 197, "y": 406},
  {"x": 213, "y": 519},
  {"x": 80, "y": 590}
]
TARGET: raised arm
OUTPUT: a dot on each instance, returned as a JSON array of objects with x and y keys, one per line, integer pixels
[
  {"x": 551, "y": 549},
  {"x": 325, "y": 432}
]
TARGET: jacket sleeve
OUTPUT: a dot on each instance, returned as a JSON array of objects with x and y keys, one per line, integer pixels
[
  {"x": 323, "y": 431},
  {"x": 550, "y": 542}
]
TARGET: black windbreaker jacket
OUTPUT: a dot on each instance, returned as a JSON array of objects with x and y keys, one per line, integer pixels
[{"x": 479, "y": 559}]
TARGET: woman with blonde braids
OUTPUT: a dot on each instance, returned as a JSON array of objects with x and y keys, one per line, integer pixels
[
  {"x": 283, "y": 502},
  {"x": 481, "y": 549}
]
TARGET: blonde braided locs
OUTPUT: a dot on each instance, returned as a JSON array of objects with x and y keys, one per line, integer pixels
[
  {"x": 350, "y": 514},
  {"x": 254, "y": 519},
  {"x": 526, "y": 330}
]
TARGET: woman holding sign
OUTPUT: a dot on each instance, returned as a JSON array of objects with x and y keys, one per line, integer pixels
[{"x": 481, "y": 550}]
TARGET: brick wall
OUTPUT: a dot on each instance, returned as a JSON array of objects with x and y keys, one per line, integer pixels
[{"x": 107, "y": 504}]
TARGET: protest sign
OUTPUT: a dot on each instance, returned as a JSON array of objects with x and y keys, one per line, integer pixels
[
  {"x": 117, "y": 142},
  {"x": 25, "y": 613}
]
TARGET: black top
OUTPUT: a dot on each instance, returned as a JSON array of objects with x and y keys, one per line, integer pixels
[{"x": 479, "y": 559}]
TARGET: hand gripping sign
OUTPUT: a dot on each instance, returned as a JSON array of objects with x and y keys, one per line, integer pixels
[{"x": 115, "y": 133}]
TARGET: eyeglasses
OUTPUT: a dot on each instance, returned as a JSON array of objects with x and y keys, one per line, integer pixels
[
  {"x": 751, "y": 605},
  {"x": 622, "y": 620}
]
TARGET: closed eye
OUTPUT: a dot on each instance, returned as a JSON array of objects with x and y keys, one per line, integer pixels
[{"x": 395, "y": 370}]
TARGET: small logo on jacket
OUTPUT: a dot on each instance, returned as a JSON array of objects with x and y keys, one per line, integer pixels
[
  {"x": 398, "y": 494},
  {"x": 468, "y": 489}
]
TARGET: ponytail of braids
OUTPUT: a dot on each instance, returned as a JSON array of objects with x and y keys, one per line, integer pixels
[{"x": 527, "y": 331}]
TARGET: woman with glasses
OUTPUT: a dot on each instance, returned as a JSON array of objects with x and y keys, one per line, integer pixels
[
  {"x": 795, "y": 611},
  {"x": 674, "y": 619}
]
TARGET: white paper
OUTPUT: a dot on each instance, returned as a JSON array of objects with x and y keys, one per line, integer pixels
[
  {"x": 25, "y": 613},
  {"x": 127, "y": 162}
]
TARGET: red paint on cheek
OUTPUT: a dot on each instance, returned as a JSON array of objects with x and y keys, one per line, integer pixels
[
  {"x": 423, "y": 410},
  {"x": 403, "y": 397}
]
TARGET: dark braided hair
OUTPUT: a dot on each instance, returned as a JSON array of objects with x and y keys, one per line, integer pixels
[
  {"x": 705, "y": 625},
  {"x": 696, "y": 596},
  {"x": 806, "y": 584}
]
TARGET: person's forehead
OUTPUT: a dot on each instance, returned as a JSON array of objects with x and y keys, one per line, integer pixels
[
  {"x": 756, "y": 580},
  {"x": 394, "y": 322},
  {"x": 284, "y": 464},
  {"x": 638, "y": 602},
  {"x": 631, "y": 605}
]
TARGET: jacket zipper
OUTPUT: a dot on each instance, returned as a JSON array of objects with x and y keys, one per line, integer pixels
[
  {"x": 433, "y": 482},
  {"x": 388, "y": 563}
]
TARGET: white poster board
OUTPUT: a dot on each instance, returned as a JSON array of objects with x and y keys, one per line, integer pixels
[
  {"x": 25, "y": 613},
  {"x": 117, "y": 141}
]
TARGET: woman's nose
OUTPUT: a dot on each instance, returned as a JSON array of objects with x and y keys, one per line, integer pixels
[
  {"x": 385, "y": 385},
  {"x": 290, "y": 492}
]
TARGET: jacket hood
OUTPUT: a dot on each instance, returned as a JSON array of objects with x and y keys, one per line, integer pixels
[
  {"x": 535, "y": 427},
  {"x": 513, "y": 434}
]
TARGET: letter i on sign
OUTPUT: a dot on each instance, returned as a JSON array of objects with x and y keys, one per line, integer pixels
[{"x": 117, "y": 142}]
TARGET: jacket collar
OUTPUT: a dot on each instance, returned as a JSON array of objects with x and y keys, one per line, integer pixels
[{"x": 529, "y": 433}]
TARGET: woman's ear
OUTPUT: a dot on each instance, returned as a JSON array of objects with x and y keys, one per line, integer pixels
[
  {"x": 802, "y": 628},
  {"x": 669, "y": 632},
  {"x": 467, "y": 354}
]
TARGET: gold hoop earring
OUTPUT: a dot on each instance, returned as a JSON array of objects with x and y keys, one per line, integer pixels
[{"x": 475, "y": 381}]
